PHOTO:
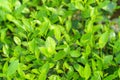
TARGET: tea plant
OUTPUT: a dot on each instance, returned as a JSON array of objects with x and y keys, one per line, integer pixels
[{"x": 59, "y": 40}]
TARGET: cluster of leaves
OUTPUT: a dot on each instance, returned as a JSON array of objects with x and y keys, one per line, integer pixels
[{"x": 59, "y": 40}]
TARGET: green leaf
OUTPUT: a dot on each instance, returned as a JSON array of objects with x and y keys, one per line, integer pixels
[
  {"x": 68, "y": 25},
  {"x": 103, "y": 39},
  {"x": 3, "y": 34},
  {"x": 119, "y": 72},
  {"x": 87, "y": 71},
  {"x": 88, "y": 50},
  {"x": 96, "y": 76},
  {"x": 45, "y": 51},
  {"x": 85, "y": 13},
  {"x": 20, "y": 71},
  {"x": 86, "y": 38},
  {"x": 54, "y": 77},
  {"x": 10, "y": 17},
  {"x": 79, "y": 69},
  {"x": 79, "y": 5},
  {"x": 110, "y": 77},
  {"x": 12, "y": 67},
  {"x": 110, "y": 7},
  {"x": 59, "y": 55},
  {"x": 6, "y": 50},
  {"x": 117, "y": 58},
  {"x": 50, "y": 45},
  {"x": 17, "y": 40},
  {"x": 108, "y": 59},
  {"x": 44, "y": 71},
  {"x": 75, "y": 53},
  {"x": 5, "y": 5},
  {"x": 27, "y": 25},
  {"x": 32, "y": 45},
  {"x": 116, "y": 46},
  {"x": 5, "y": 67},
  {"x": 57, "y": 33},
  {"x": 44, "y": 27},
  {"x": 67, "y": 37}
]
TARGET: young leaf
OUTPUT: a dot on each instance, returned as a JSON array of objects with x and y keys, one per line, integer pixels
[
  {"x": 54, "y": 77},
  {"x": 68, "y": 25},
  {"x": 50, "y": 45},
  {"x": 59, "y": 55},
  {"x": 5, "y": 5},
  {"x": 87, "y": 71},
  {"x": 103, "y": 39},
  {"x": 12, "y": 67},
  {"x": 79, "y": 69},
  {"x": 5, "y": 67},
  {"x": 75, "y": 53},
  {"x": 44, "y": 71},
  {"x": 17, "y": 40},
  {"x": 88, "y": 50},
  {"x": 108, "y": 59},
  {"x": 119, "y": 72},
  {"x": 57, "y": 33},
  {"x": 6, "y": 50},
  {"x": 44, "y": 28},
  {"x": 86, "y": 38},
  {"x": 3, "y": 34},
  {"x": 44, "y": 51},
  {"x": 32, "y": 45}
]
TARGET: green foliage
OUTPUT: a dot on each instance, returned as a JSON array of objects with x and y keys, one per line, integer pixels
[{"x": 59, "y": 40}]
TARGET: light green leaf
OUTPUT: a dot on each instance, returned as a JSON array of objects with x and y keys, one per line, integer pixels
[
  {"x": 86, "y": 38},
  {"x": 17, "y": 40},
  {"x": 54, "y": 77},
  {"x": 103, "y": 39},
  {"x": 79, "y": 5},
  {"x": 10, "y": 17},
  {"x": 87, "y": 71},
  {"x": 79, "y": 69},
  {"x": 119, "y": 72},
  {"x": 3, "y": 34},
  {"x": 68, "y": 25},
  {"x": 32, "y": 45},
  {"x": 108, "y": 59},
  {"x": 5, "y": 67},
  {"x": 110, "y": 77},
  {"x": 27, "y": 25},
  {"x": 6, "y": 50},
  {"x": 59, "y": 55},
  {"x": 88, "y": 50},
  {"x": 44, "y": 51},
  {"x": 44, "y": 28},
  {"x": 110, "y": 7},
  {"x": 96, "y": 76},
  {"x": 20, "y": 71},
  {"x": 57, "y": 33},
  {"x": 50, "y": 45},
  {"x": 75, "y": 53},
  {"x": 44, "y": 71},
  {"x": 117, "y": 58},
  {"x": 12, "y": 67},
  {"x": 5, "y": 5}
]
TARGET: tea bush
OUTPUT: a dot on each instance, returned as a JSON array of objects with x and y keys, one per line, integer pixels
[{"x": 59, "y": 40}]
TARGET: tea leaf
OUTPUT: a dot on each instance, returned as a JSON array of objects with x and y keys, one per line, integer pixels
[
  {"x": 12, "y": 68},
  {"x": 50, "y": 45},
  {"x": 75, "y": 53},
  {"x": 103, "y": 39},
  {"x": 87, "y": 71},
  {"x": 59, "y": 55},
  {"x": 17, "y": 40},
  {"x": 44, "y": 71}
]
